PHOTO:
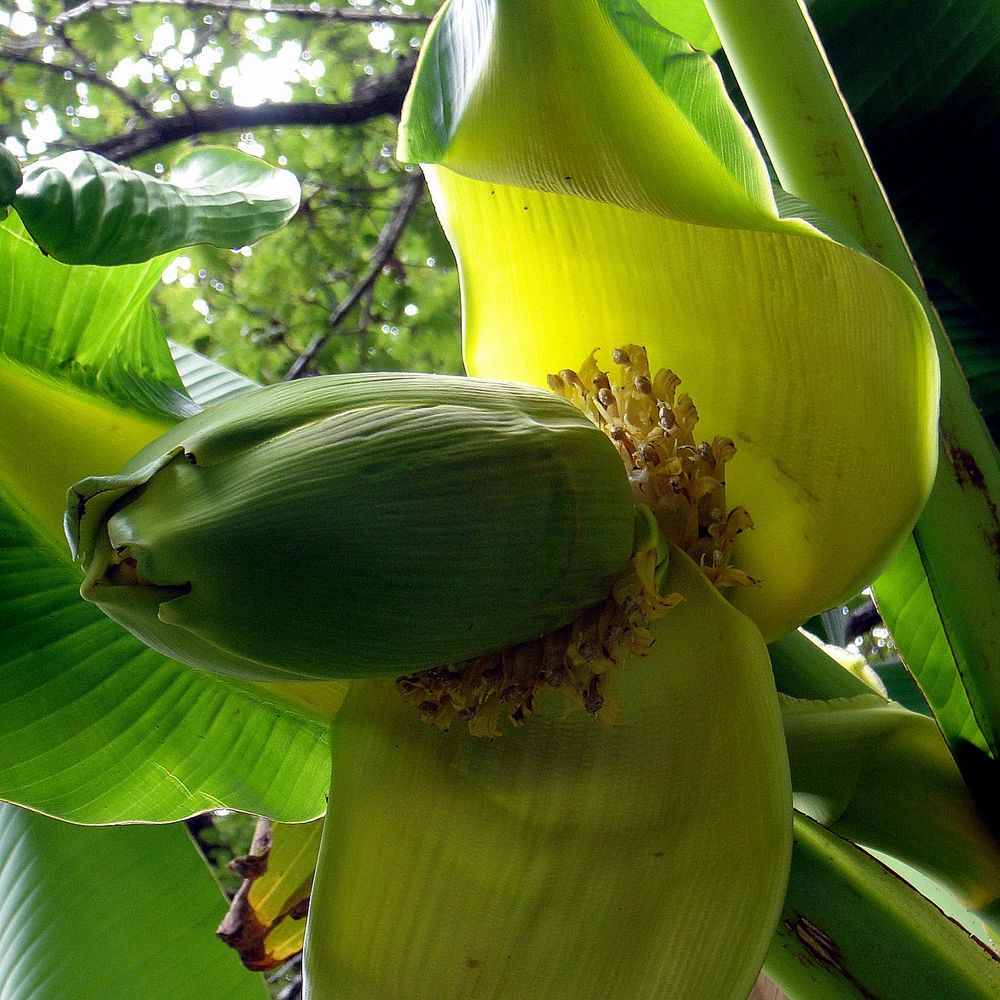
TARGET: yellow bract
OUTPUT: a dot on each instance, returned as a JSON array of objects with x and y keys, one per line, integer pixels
[
  {"x": 623, "y": 202},
  {"x": 814, "y": 360},
  {"x": 636, "y": 150},
  {"x": 566, "y": 859}
]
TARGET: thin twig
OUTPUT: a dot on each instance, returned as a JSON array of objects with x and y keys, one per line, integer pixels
[
  {"x": 382, "y": 96},
  {"x": 295, "y": 10},
  {"x": 384, "y": 248},
  {"x": 24, "y": 59}
]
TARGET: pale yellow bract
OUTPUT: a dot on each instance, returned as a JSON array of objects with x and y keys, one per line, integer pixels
[{"x": 584, "y": 223}]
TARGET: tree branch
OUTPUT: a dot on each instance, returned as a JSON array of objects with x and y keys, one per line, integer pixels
[
  {"x": 379, "y": 96},
  {"x": 294, "y": 10},
  {"x": 861, "y": 620},
  {"x": 384, "y": 248}
]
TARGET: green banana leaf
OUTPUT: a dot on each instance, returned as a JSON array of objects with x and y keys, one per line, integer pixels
[
  {"x": 882, "y": 777},
  {"x": 944, "y": 900},
  {"x": 81, "y": 208},
  {"x": 206, "y": 381},
  {"x": 687, "y": 18},
  {"x": 95, "y": 727},
  {"x": 851, "y": 929},
  {"x": 906, "y": 602},
  {"x": 117, "y": 912},
  {"x": 803, "y": 669}
]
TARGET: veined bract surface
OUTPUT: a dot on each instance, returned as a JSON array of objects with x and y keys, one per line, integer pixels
[
  {"x": 642, "y": 860},
  {"x": 598, "y": 188},
  {"x": 565, "y": 860},
  {"x": 357, "y": 526}
]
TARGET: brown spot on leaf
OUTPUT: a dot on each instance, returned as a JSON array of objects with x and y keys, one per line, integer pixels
[
  {"x": 473, "y": 963},
  {"x": 969, "y": 475},
  {"x": 818, "y": 943},
  {"x": 822, "y": 949},
  {"x": 967, "y": 470}
]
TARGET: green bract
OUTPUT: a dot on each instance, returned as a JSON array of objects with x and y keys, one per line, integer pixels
[{"x": 357, "y": 526}]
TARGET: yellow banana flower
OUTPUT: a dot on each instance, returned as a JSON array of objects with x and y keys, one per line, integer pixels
[{"x": 600, "y": 190}]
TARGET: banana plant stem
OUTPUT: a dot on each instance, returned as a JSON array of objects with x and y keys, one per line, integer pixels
[{"x": 819, "y": 156}]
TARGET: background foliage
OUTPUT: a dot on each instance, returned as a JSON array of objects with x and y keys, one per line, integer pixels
[
  {"x": 316, "y": 88},
  {"x": 140, "y": 82}
]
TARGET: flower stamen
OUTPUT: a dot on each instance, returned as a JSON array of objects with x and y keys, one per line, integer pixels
[
  {"x": 679, "y": 486},
  {"x": 680, "y": 479},
  {"x": 576, "y": 660}
]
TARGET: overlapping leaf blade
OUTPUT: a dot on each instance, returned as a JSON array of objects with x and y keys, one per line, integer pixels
[
  {"x": 882, "y": 777},
  {"x": 207, "y": 381},
  {"x": 126, "y": 912},
  {"x": 87, "y": 327},
  {"x": 94, "y": 726},
  {"x": 907, "y": 605}
]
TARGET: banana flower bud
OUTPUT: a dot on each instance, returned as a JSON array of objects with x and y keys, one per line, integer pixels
[{"x": 357, "y": 526}]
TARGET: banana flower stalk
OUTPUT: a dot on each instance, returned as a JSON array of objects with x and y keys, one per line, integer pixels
[{"x": 599, "y": 189}]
